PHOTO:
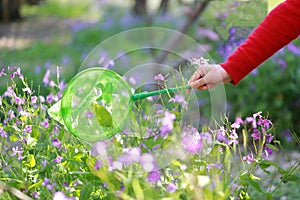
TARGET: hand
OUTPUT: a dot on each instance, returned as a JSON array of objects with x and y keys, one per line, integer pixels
[{"x": 208, "y": 76}]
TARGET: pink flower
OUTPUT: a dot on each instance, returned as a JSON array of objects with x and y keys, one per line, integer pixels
[
  {"x": 159, "y": 77},
  {"x": 153, "y": 176},
  {"x": 171, "y": 187},
  {"x": 192, "y": 144}
]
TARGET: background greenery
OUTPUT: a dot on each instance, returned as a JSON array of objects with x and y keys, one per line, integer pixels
[{"x": 74, "y": 28}]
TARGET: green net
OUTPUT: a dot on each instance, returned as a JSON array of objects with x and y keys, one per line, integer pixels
[{"x": 96, "y": 104}]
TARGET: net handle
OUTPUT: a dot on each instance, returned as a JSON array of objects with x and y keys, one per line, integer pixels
[{"x": 144, "y": 95}]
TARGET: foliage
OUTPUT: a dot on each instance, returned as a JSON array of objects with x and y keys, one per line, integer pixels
[{"x": 40, "y": 158}]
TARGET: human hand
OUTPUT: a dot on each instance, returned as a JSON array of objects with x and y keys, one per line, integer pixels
[{"x": 208, "y": 76}]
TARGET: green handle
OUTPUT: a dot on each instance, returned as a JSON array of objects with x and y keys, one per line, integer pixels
[{"x": 144, "y": 95}]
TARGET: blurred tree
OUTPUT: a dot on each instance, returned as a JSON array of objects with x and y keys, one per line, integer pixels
[
  {"x": 164, "y": 6},
  {"x": 10, "y": 9},
  {"x": 140, "y": 8}
]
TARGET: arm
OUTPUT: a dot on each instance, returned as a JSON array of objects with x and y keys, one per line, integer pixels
[{"x": 281, "y": 26}]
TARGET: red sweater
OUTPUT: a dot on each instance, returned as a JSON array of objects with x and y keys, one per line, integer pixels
[{"x": 280, "y": 27}]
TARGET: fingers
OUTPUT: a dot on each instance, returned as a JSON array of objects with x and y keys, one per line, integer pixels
[{"x": 199, "y": 84}]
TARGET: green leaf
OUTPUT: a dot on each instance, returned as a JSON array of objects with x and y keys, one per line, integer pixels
[
  {"x": 32, "y": 162},
  {"x": 13, "y": 138},
  {"x": 55, "y": 112},
  {"x": 35, "y": 184},
  {"x": 249, "y": 179},
  {"x": 272, "y": 147},
  {"x": 137, "y": 189},
  {"x": 86, "y": 192},
  {"x": 104, "y": 118},
  {"x": 290, "y": 178}
]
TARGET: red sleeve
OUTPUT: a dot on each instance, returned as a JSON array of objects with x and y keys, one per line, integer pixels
[{"x": 280, "y": 27}]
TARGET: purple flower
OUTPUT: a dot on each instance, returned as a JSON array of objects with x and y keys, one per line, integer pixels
[
  {"x": 159, "y": 77},
  {"x": 49, "y": 98},
  {"x": 171, "y": 187},
  {"x": 2, "y": 72},
  {"x": 28, "y": 129},
  {"x": 58, "y": 159},
  {"x": 179, "y": 99},
  {"x": 167, "y": 123},
  {"x": 16, "y": 151},
  {"x": 192, "y": 144},
  {"x": 35, "y": 195},
  {"x": 89, "y": 114},
  {"x": 45, "y": 182},
  {"x": 153, "y": 176},
  {"x": 294, "y": 49},
  {"x": 98, "y": 164},
  {"x": 249, "y": 158},
  {"x": 46, "y": 77},
  {"x": 256, "y": 134},
  {"x": 132, "y": 80},
  {"x": 221, "y": 134},
  {"x": 3, "y": 133},
  {"x": 267, "y": 151},
  {"x": 269, "y": 137},
  {"x": 233, "y": 137},
  {"x": 45, "y": 123},
  {"x": 131, "y": 155},
  {"x": 62, "y": 85},
  {"x": 148, "y": 163},
  {"x": 33, "y": 99},
  {"x": 61, "y": 196},
  {"x": 56, "y": 143}
]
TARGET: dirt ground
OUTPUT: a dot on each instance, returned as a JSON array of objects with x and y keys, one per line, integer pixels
[{"x": 17, "y": 35}]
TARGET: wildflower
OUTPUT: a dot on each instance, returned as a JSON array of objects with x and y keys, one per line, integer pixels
[
  {"x": 148, "y": 163},
  {"x": 132, "y": 80},
  {"x": 62, "y": 85},
  {"x": 98, "y": 164},
  {"x": 293, "y": 48},
  {"x": 233, "y": 137},
  {"x": 33, "y": 99},
  {"x": 28, "y": 129},
  {"x": 192, "y": 144},
  {"x": 153, "y": 176},
  {"x": 45, "y": 123},
  {"x": 249, "y": 158},
  {"x": 267, "y": 151},
  {"x": 89, "y": 114},
  {"x": 179, "y": 99},
  {"x": 49, "y": 98},
  {"x": 56, "y": 143},
  {"x": 171, "y": 187},
  {"x": 237, "y": 123},
  {"x": 256, "y": 134},
  {"x": 269, "y": 137},
  {"x": 2, "y": 72},
  {"x": 27, "y": 89},
  {"x": 117, "y": 165},
  {"x": 46, "y": 77},
  {"x": 35, "y": 195},
  {"x": 167, "y": 122},
  {"x": 16, "y": 151},
  {"x": 58, "y": 159},
  {"x": 159, "y": 77},
  {"x": 221, "y": 134},
  {"x": 132, "y": 155},
  {"x": 3, "y": 133},
  {"x": 61, "y": 196}
]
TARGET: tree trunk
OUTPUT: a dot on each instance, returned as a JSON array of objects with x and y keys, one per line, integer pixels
[
  {"x": 10, "y": 10},
  {"x": 163, "y": 7},
  {"x": 140, "y": 8}
]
